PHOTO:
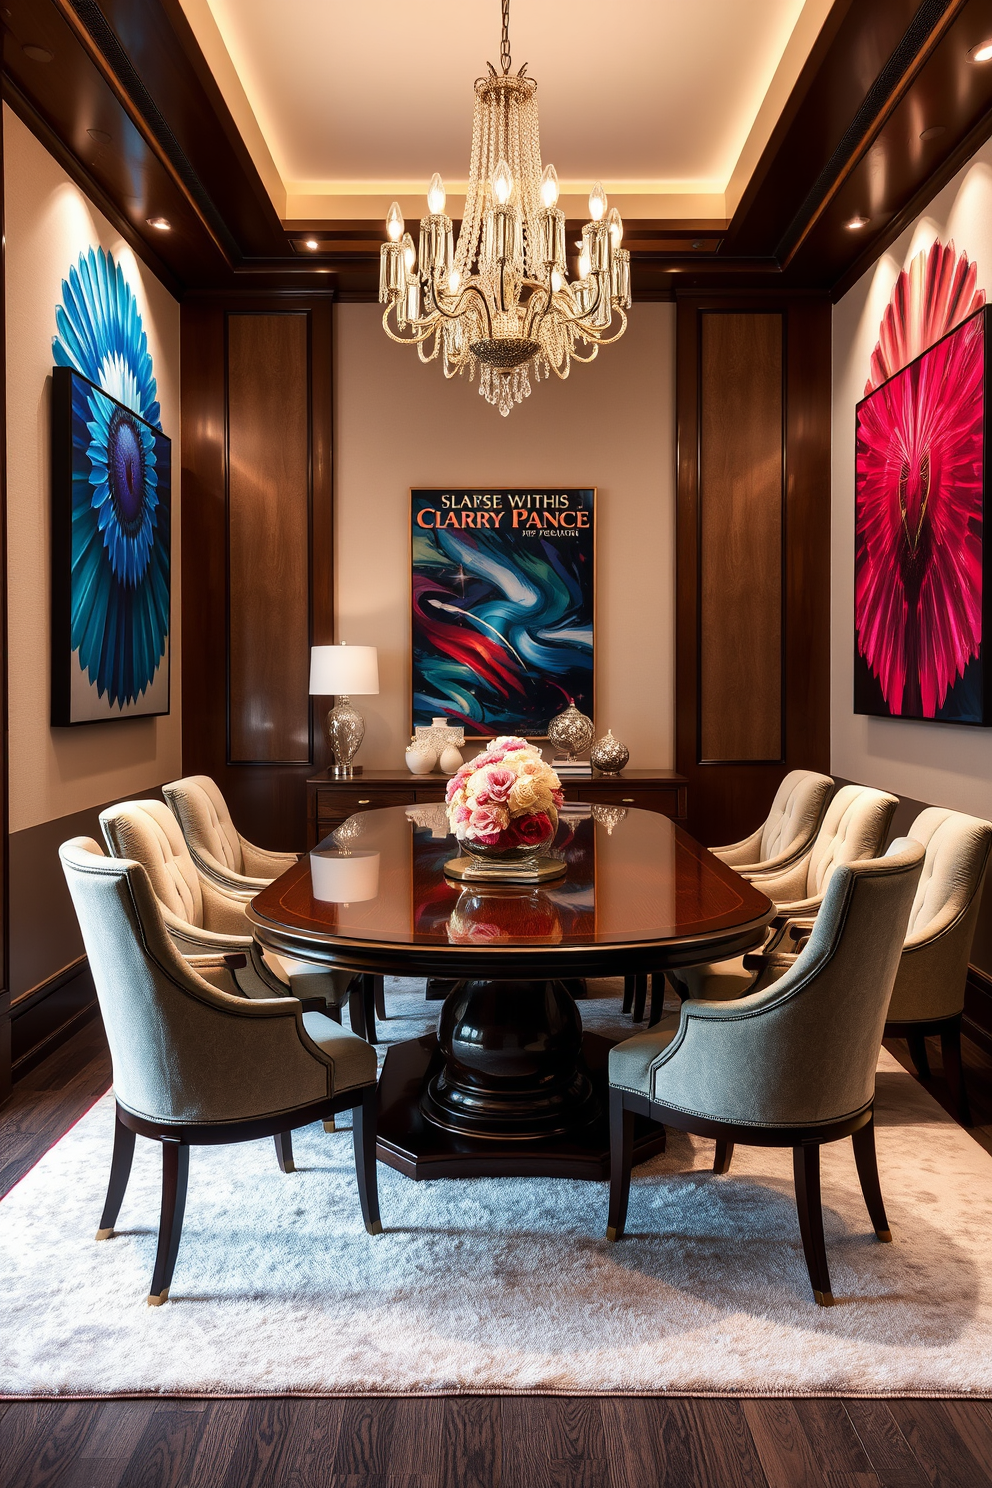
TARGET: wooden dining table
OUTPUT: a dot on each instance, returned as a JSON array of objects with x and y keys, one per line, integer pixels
[{"x": 510, "y": 1084}]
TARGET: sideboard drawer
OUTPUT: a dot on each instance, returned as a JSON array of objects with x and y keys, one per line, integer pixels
[
  {"x": 430, "y": 793},
  {"x": 664, "y": 799}
]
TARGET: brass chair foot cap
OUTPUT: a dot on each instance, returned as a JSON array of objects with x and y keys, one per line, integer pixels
[
  {"x": 290, "y": 1168},
  {"x": 329, "y": 1125},
  {"x": 375, "y": 1228},
  {"x": 614, "y": 1232},
  {"x": 885, "y": 1236},
  {"x": 823, "y": 1299},
  {"x": 105, "y": 1234},
  {"x": 159, "y": 1300}
]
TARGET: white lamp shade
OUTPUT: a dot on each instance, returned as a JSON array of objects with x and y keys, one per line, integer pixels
[
  {"x": 344, "y": 878},
  {"x": 343, "y": 671}
]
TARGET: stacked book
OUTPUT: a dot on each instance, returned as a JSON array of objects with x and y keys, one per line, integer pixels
[{"x": 567, "y": 768}]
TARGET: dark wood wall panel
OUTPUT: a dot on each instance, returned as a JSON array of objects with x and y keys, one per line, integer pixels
[
  {"x": 753, "y": 570},
  {"x": 740, "y": 536},
  {"x": 268, "y": 486},
  {"x": 267, "y": 796}
]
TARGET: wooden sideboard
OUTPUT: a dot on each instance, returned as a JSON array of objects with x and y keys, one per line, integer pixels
[{"x": 330, "y": 801}]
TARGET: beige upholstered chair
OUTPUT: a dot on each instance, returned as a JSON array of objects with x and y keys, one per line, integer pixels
[
  {"x": 855, "y": 826},
  {"x": 196, "y": 1063},
  {"x": 204, "y": 919},
  {"x": 928, "y": 996},
  {"x": 792, "y": 1066},
  {"x": 787, "y": 831},
  {"x": 214, "y": 842}
]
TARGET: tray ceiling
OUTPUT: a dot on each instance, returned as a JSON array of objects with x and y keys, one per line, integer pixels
[{"x": 346, "y": 106}]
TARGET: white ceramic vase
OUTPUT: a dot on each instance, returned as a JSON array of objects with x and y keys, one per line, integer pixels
[
  {"x": 451, "y": 759},
  {"x": 420, "y": 761}
]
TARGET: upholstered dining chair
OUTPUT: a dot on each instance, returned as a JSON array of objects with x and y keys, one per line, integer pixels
[
  {"x": 216, "y": 846},
  {"x": 928, "y": 996},
  {"x": 787, "y": 831},
  {"x": 791, "y": 1066},
  {"x": 194, "y": 1062},
  {"x": 855, "y": 827},
  {"x": 204, "y": 919}
]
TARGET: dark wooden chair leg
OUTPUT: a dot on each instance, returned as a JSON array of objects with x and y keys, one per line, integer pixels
[
  {"x": 333, "y": 1011},
  {"x": 621, "y": 1157},
  {"x": 356, "y": 1007},
  {"x": 918, "y": 1050},
  {"x": 659, "y": 983},
  {"x": 950, "y": 1049},
  {"x": 628, "y": 993},
  {"x": 368, "y": 1006},
  {"x": 723, "y": 1156},
  {"x": 867, "y": 1164},
  {"x": 380, "y": 997},
  {"x": 175, "y": 1176},
  {"x": 284, "y": 1151},
  {"x": 120, "y": 1172},
  {"x": 806, "y": 1171},
  {"x": 364, "y": 1117},
  {"x": 640, "y": 997}
]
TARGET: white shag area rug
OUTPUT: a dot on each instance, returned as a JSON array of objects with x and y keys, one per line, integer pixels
[{"x": 503, "y": 1286}]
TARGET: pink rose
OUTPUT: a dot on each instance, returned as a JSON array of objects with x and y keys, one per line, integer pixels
[
  {"x": 558, "y": 797},
  {"x": 486, "y": 822},
  {"x": 462, "y": 814},
  {"x": 513, "y": 744},
  {"x": 487, "y": 839},
  {"x": 499, "y": 783}
]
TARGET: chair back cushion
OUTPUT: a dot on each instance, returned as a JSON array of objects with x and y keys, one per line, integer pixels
[
  {"x": 803, "y": 1051},
  {"x": 795, "y": 813},
  {"x": 183, "y": 1052},
  {"x": 854, "y": 828},
  {"x": 148, "y": 833},
  {"x": 933, "y": 970},
  {"x": 205, "y": 820}
]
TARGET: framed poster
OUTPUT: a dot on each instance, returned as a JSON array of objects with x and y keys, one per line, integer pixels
[
  {"x": 920, "y": 581},
  {"x": 503, "y": 607},
  {"x": 111, "y": 556}
]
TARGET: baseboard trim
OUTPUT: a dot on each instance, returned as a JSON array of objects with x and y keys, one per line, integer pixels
[{"x": 49, "y": 1014}]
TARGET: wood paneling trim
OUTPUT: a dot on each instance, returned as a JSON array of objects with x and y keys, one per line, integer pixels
[
  {"x": 268, "y": 535},
  {"x": 268, "y": 801},
  {"x": 740, "y": 535}
]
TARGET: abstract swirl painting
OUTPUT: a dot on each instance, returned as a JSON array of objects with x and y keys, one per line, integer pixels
[
  {"x": 503, "y": 607},
  {"x": 920, "y": 585},
  {"x": 111, "y": 506}
]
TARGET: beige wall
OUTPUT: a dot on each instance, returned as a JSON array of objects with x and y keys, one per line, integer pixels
[
  {"x": 49, "y": 222},
  {"x": 945, "y": 764},
  {"x": 399, "y": 424}
]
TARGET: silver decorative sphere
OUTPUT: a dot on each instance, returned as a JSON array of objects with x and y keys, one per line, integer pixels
[
  {"x": 609, "y": 755},
  {"x": 571, "y": 731}
]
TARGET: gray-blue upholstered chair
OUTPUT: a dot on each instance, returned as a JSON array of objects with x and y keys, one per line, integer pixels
[
  {"x": 197, "y": 1063},
  {"x": 788, "y": 830},
  {"x": 854, "y": 827},
  {"x": 791, "y": 1066},
  {"x": 216, "y": 846},
  {"x": 928, "y": 996},
  {"x": 205, "y": 919},
  {"x": 234, "y": 864}
]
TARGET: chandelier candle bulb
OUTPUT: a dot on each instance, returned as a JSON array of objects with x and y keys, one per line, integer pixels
[
  {"x": 549, "y": 186},
  {"x": 597, "y": 202},
  {"x": 436, "y": 195},
  {"x": 615, "y": 222},
  {"x": 394, "y": 223}
]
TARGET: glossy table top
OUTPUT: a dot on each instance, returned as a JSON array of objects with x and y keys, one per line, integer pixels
[{"x": 635, "y": 880}]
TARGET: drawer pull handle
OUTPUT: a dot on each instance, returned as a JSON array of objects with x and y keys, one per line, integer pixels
[
  {"x": 627, "y": 800},
  {"x": 365, "y": 802}
]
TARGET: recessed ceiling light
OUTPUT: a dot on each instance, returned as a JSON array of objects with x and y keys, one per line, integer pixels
[
  {"x": 37, "y": 53},
  {"x": 161, "y": 223},
  {"x": 982, "y": 52},
  {"x": 312, "y": 244},
  {"x": 933, "y": 132},
  {"x": 853, "y": 223},
  {"x": 100, "y": 135}
]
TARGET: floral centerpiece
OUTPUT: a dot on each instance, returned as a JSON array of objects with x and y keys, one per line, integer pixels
[{"x": 503, "y": 805}]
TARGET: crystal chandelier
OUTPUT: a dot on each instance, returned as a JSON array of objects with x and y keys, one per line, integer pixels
[{"x": 499, "y": 303}]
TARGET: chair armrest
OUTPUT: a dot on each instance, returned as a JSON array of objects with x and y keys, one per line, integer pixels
[{"x": 265, "y": 865}]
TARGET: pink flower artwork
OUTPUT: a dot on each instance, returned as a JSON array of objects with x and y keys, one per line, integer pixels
[{"x": 919, "y": 521}]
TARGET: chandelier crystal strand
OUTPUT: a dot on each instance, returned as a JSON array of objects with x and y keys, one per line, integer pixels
[{"x": 498, "y": 302}]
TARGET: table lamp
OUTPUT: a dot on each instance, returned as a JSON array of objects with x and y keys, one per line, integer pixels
[{"x": 339, "y": 671}]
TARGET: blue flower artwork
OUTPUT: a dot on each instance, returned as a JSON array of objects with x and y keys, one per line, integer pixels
[
  {"x": 111, "y": 478},
  {"x": 503, "y": 606}
]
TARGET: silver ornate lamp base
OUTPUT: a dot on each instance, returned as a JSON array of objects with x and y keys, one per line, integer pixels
[{"x": 344, "y": 729}]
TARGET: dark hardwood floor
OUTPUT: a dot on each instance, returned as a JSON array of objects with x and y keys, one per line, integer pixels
[{"x": 469, "y": 1441}]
